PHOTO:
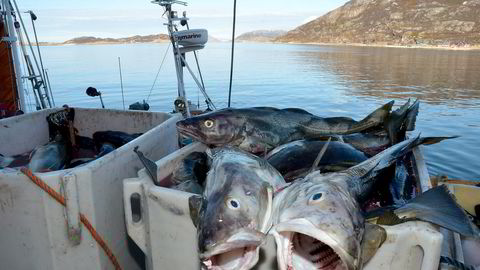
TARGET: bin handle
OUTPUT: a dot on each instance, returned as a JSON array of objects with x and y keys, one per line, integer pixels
[
  {"x": 431, "y": 253},
  {"x": 133, "y": 191}
]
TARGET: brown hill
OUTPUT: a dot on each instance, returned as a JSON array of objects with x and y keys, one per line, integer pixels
[
  {"x": 395, "y": 22},
  {"x": 261, "y": 35},
  {"x": 134, "y": 39}
]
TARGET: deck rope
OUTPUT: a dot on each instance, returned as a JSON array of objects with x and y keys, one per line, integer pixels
[{"x": 60, "y": 199}]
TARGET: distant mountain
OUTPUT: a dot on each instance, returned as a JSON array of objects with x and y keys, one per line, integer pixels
[
  {"x": 159, "y": 38},
  {"x": 261, "y": 35},
  {"x": 134, "y": 39},
  {"x": 395, "y": 22}
]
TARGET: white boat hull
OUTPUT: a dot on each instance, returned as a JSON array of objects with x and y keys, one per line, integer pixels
[{"x": 34, "y": 226}]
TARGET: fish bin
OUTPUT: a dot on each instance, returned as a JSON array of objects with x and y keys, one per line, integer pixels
[
  {"x": 37, "y": 232},
  {"x": 158, "y": 220}
]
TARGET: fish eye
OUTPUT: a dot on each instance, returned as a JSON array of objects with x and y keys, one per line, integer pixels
[
  {"x": 208, "y": 123},
  {"x": 316, "y": 197},
  {"x": 233, "y": 204}
]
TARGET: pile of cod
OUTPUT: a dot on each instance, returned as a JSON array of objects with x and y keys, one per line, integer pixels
[
  {"x": 307, "y": 180},
  {"x": 65, "y": 148}
]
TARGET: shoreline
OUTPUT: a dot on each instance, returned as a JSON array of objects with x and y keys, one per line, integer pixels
[{"x": 436, "y": 47}]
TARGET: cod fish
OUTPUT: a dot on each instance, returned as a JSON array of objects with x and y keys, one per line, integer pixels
[
  {"x": 116, "y": 138},
  {"x": 295, "y": 159},
  {"x": 260, "y": 129},
  {"x": 49, "y": 157},
  {"x": 318, "y": 222},
  {"x": 235, "y": 214}
]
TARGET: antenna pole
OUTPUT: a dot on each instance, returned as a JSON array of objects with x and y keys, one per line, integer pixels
[
  {"x": 233, "y": 49},
  {"x": 121, "y": 83}
]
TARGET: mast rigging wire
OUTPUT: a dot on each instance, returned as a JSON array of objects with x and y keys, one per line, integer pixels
[
  {"x": 233, "y": 49},
  {"x": 158, "y": 72},
  {"x": 121, "y": 82}
]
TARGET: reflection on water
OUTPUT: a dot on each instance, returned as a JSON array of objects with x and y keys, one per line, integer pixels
[
  {"x": 434, "y": 76},
  {"x": 325, "y": 80}
]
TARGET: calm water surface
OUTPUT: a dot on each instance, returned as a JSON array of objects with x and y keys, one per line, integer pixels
[{"x": 325, "y": 80}]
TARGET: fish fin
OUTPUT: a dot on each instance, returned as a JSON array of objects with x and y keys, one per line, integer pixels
[
  {"x": 412, "y": 116},
  {"x": 434, "y": 140},
  {"x": 150, "y": 166},
  {"x": 394, "y": 123},
  {"x": 389, "y": 218},
  {"x": 296, "y": 110},
  {"x": 378, "y": 116},
  {"x": 438, "y": 206},
  {"x": 362, "y": 175},
  {"x": 402, "y": 120},
  {"x": 196, "y": 206},
  {"x": 373, "y": 238},
  {"x": 267, "y": 223},
  {"x": 320, "y": 155}
]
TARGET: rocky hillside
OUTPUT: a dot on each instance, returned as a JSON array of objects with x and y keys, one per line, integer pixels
[
  {"x": 261, "y": 35},
  {"x": 395, "y": 22},
  {"x": 134, "y": 39}
]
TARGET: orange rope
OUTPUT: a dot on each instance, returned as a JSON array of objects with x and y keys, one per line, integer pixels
[{"x": 59, "y": 198}]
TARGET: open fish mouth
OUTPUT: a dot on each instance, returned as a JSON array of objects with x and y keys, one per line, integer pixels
[
  {"x": 233, "y": 259},
  {"x": 303, "y": 251},
  {"x": 240, "y": 251}
]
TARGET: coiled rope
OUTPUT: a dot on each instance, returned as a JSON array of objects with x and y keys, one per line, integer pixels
[{"x": 60, "y": 199}]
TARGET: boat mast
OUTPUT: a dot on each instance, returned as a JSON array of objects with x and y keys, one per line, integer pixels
[
  {"x": 11, "y": 40},
  {"x": 172, "y": 17},
  {"x": 183, "y": 42},
  {"x": 38, "y": 81}
]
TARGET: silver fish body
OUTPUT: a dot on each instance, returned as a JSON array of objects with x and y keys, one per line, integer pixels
[
  {"x": 318, "y": 222},
  {"x": 260, "y": 129},
  {"x": 49, "y": 157},
  {"x": 295, "y": 159},
  {"x": 236, "y": 213}
]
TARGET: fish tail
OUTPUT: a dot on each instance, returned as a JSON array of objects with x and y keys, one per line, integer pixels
[
  {"x": 412, "y": 116},
  {"x": 377, "y": 117},
  {"x": 401, "y": 120},
  {"x": 370, "y": 168},
  {"x": 434, "y": 140},
  {"x": 388, "y": 156},
  {"x": 438, "y": 206}
]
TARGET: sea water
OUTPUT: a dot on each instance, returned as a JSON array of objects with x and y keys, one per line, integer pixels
[{"x": 325, "y": 80}]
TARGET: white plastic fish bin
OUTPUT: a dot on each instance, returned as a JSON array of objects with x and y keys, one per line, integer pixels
[
  {"x": 39, "y": 233},
  {"x": 158, "y": 220}
]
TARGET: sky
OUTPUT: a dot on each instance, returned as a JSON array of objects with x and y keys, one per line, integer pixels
[{"x": 60, "y": 20}]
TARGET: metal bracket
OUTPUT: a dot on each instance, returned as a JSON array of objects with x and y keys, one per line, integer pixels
[
  {"x": 9, "y": 39},
  {"x": 72, "y": 208}
]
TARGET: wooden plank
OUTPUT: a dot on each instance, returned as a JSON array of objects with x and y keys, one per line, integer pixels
[
  {"x": 421, "y": 169},
  {"x": 425, "y": 184}
]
